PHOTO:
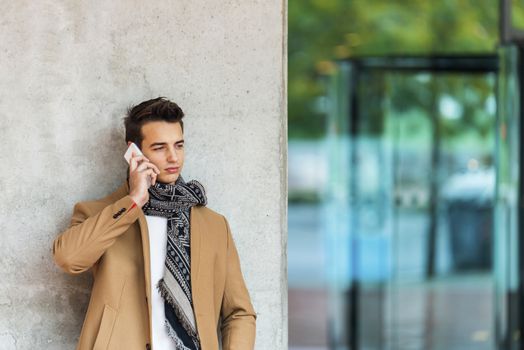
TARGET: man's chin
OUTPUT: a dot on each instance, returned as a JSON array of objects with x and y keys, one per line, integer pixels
[{"x": 170, "y": 179}]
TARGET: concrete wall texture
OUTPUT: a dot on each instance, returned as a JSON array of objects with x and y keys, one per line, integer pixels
[{"x": 69, "y": 70}]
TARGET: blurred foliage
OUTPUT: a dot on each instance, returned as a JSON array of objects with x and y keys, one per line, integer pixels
[
  {"x": 321, "y": 31},
  {"x": 459, "y": 102},
  {"x": 517, "y": 14},
  {"x": 304, "y": 197}
]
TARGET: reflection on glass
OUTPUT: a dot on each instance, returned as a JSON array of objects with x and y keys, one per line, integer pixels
[{"x": 417, "y": 268}]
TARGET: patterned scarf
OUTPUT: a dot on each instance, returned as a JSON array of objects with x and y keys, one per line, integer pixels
[{"x": 174, "y": 202}]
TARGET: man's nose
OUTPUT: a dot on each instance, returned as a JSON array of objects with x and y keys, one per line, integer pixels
[{"x": 172, "y": 156}]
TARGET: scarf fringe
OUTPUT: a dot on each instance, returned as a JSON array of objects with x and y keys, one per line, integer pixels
[
  {"x": 168, "y": 297},
  {"x": 179, "y": 345}
]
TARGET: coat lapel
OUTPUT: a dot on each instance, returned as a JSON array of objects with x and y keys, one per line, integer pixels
[
  {"x": 195, "y": 241},
  {"x": 144, "y": 233}
]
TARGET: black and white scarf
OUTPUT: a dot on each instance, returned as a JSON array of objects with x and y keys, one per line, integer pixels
[{"x": 174, "y": 202}]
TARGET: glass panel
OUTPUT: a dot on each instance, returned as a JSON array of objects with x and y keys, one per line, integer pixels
[
  {"x": 372, "y": 204},
  {"x": 508, "y": 312},
  {"x": 339, "y": 146},
  {"x": 442, "y": 141},
  {"x": 410, "y": 205}
]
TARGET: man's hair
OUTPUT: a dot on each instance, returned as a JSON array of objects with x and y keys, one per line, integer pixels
[{"x": 157, "y": 109}]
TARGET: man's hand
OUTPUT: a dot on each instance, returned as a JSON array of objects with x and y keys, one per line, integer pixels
[{"x": 142, "y": 174}]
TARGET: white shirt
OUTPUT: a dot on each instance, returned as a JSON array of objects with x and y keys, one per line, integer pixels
[{"x": 157, "y": 227}]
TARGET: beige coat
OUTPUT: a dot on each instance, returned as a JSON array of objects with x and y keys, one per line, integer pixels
[{"x": 110, "y": 237}]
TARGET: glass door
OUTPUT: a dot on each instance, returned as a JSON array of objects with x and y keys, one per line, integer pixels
[{"x": 412, "y": 235}]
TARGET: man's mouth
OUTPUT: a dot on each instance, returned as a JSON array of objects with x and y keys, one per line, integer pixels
[{"x": 172, "y": 170}]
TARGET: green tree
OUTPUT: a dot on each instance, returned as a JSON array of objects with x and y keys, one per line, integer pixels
[{"x": 322, "y": 31}]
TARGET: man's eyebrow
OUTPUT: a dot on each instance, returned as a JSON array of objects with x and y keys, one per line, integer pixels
[{"x": 165, "y": 143}]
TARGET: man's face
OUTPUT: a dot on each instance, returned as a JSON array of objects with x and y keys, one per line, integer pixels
[{"x": 163, "y": 145}]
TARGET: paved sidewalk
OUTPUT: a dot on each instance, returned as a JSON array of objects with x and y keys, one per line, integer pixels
[{"x": 307, "y": 319}]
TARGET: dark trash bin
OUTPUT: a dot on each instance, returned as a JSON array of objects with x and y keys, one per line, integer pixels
[{"x": 470, "y": 230}]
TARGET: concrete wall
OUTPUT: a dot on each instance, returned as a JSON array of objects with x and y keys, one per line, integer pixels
[{"x": 69, "y": 70}]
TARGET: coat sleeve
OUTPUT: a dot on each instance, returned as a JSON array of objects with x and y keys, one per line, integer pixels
[
  {"x": 89, "y": 235},
  {"x": 238, "y": 325}
]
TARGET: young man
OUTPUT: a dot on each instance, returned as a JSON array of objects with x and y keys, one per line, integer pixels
[{"x": 166, "y": 271}]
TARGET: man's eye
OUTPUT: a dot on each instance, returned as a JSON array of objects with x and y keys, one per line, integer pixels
[{"x": 156, "y": 149}]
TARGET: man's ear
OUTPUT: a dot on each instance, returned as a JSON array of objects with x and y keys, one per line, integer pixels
[{"x": 128, "y": 143}]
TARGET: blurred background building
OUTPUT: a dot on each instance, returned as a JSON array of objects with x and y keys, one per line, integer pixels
[{"x": 405, "y": 174}]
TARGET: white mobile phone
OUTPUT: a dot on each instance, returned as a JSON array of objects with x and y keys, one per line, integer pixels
[{"x": 132, "y": 148}]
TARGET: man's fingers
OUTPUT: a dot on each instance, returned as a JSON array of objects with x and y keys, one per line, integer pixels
[
  {"x": 140, "y": 158},
  {"x": 146, "y": 165},
  {"x": 141, "y": 167},
  {"x": 133, "y": 162},
  {"x": 148, "y": 172},
  {"x": 156, "y": 168}
]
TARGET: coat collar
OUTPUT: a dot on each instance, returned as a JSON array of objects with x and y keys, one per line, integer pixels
[{"x": 196, "y": 221}]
